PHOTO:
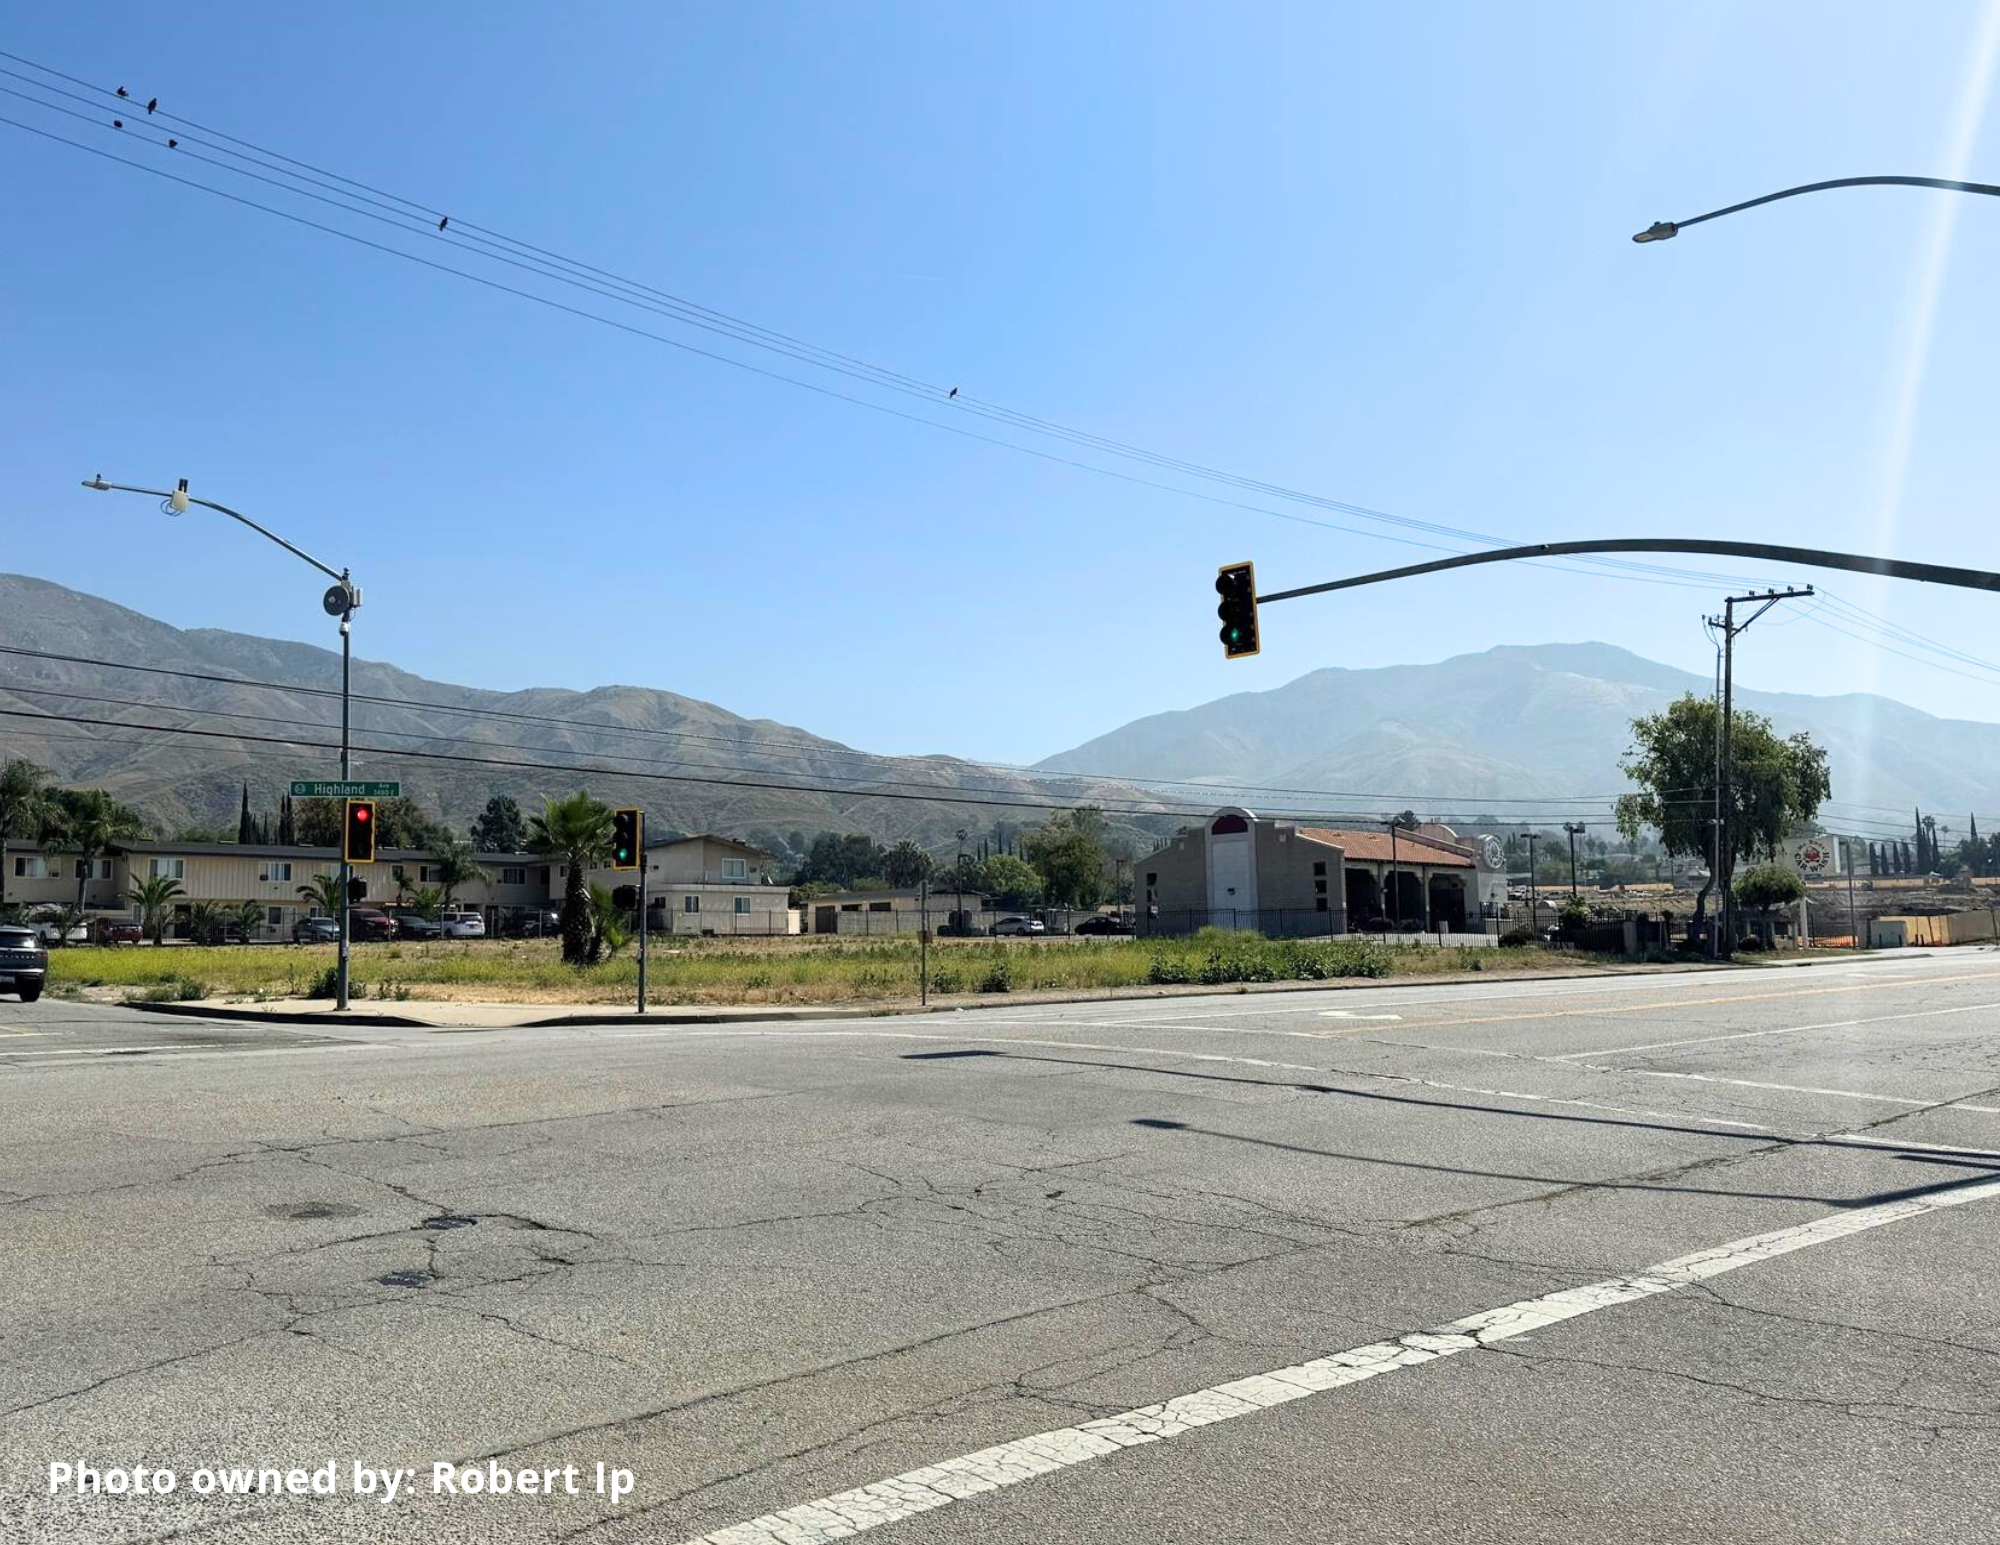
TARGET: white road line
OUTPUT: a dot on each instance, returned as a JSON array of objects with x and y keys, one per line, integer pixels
[
  {"x": 1754, "y": 1083},
  {"x": 1006, "y": 1464},
  {"x": 1751, "y": 1035},
  {"x": 1197, "y": 1056},
  {"x": 1904, "y": 1142}
]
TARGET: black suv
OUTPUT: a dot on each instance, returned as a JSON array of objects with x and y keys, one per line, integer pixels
[{"x": 24, "y": 963}]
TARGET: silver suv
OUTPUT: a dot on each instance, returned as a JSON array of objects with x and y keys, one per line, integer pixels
[{"x": 24, "y": 963}]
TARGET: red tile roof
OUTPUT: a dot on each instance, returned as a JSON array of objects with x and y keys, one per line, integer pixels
[{"x": 1373, "y": 847}]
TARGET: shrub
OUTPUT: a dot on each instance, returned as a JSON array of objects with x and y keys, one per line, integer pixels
[
  {"x": 1168, "y": 970},
  {"x": 1750, "y": 942},
  {"x": 182, "y": 989},
  {"x": 1575, "y": 914},
  {"x": 327, "y": 984},
  {"x": 999, "y": 976},
  {"x": 1514, "y": 938},
  {"x": 947, "y": 979}
]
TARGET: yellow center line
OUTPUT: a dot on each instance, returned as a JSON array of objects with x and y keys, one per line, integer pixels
[{"x": 1675, "y": 1003}]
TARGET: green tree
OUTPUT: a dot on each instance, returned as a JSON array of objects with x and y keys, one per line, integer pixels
[
  {"x": 1067, "y": 853},
  {"x": 248, "y": 916},
  {"x": 454, "y": 863},
  {"x": 400, "y": 822},
  {"x": 1777, "y": 785},
  {"x": 576, "y": 830},
  {"x": 1769, "y": 885},
  {"x": 206, "y": 920},
  {"x": 323, "y": 891},
  {"x": 24, "y": 807},
  {"x": 88, "y": 822},
  {"x": 500, "y": 827},
  {"x": 904, "y": 865},
  {"x": 608, "y": 923},
  {"x": 155, "y": 897},
  {"x": 426, "y": 901},
  {"x": 1011, "y": 882}
]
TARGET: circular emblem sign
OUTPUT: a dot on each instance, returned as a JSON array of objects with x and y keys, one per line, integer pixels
[
  {"x": 1812, "y": 857},
  {"x": 1490, "y": 852}
]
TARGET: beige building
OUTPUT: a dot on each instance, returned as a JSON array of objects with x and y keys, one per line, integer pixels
[
  {"x": 702, "y": 885},
  {"x": 901, "y": 912},
  {"x": 1285, "y": 879}
]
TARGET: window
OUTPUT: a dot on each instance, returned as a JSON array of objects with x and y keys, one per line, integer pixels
[
  {"x": 1319, "y": 886},
  {"x": 742, "y": 906},
  {"x": 1152, "y": 878},
  {"x": 1320, "y": 867},
  {"x": 274, "y": 871},
  {"x": 735, "y": 869},
  {"x": 1319, "y": 904},
  {"x": 168, "y": 868},
  {"x": 543, "y": 872},
  {"x": 274, "y": 915},
  {"x": 31, "y": 868},
  {"x": 93, "y": 868},
  {"x": 873, "y": 906},
  {"x": 1229, "y": 825},
  {"x": 517, "y": 876},
  {"x": 690, "y": 903},
  {"x": 426, "y": 873},
  {"x": 396, "y": 873}
]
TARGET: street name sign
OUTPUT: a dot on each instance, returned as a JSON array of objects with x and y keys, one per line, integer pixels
[{"x": 337, "y": 789}]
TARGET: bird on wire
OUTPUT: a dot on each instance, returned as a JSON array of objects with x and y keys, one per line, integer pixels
[
  {"x": 951, "y": 394},
  {"x": 173, "y": 144},
  {"x": 444, "y": 222},
  {"x": 155, "y": 102},
  {"x": 118, "y": 123},
  {"x": 123, "y": 92}
]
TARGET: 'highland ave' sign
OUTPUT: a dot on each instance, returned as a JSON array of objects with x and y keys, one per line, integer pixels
[{"x": 336, "y": 789}]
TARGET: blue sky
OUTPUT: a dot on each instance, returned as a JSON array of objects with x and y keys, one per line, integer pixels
[{"x": 1378, "y": 254}]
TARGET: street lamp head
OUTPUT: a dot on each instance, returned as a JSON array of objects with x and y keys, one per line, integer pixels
[
  {"x": 97, "y": 482},
  {"x": 177, "y": 501},
  {"x": 1659, "y": 230}
]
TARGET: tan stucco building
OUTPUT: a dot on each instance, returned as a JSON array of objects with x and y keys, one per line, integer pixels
[{"x": 1283, "y": 878}]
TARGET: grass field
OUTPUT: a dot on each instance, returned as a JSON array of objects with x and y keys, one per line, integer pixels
[{"x": 761, "y": 970}]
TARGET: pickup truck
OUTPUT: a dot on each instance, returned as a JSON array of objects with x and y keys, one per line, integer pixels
[{"x": 24, "y": 963}]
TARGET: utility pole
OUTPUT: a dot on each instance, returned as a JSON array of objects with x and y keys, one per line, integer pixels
[
  {"x": 642, "y": 912},
  {"x": 1725, "y": 805},
  {"x": 1847, "y": 858},
  {"x": 1575, "y": 829},
  {"x": 1534, "y": 901},
  {"x": 924, "y": 940}
]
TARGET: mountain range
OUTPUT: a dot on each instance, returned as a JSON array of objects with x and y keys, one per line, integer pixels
[
  {"x": 1534, "y": 721},
  {"x": 1513, "y": 723}
]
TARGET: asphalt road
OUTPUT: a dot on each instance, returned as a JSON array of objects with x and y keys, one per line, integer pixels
[{"x": 1672, "y": 1258}]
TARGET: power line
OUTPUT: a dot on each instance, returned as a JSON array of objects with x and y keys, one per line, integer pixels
[
  {"x": 662, "y": 302},
  {"x": 822, "y": 750}
]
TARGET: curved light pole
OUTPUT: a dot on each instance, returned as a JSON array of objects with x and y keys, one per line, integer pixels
[
  {"x": 340, "y": 600},
  {"x": 1666, "y": 230}
]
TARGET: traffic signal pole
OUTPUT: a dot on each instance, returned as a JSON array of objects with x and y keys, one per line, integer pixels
[
  {"x": 346, "y": 869},
  {"x": 642, "y": 914}
]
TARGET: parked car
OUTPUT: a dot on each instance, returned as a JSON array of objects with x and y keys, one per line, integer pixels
[
  {"x": 413, "y": 925},
  {"x": 316, "y": 930},
  {"x": 24, "y": 963},
  {"x": 366, "y": 923},
  {"x": 1020, "y": 926},
  {"x": 115, "y": 930},
  {"x": 463, "y": 924},
  {"x": 535, "y": 923},
  {"x": 48, "y": 933},
  {"x": 1102, "y": 924}
]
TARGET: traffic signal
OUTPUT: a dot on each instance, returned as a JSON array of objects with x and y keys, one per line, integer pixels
[
  {"x": 1236, "y": 583},
  {"x": 357, "y": 891},
  {"x": 627, "y": 827},
  {"x": 357, "y": 844}
]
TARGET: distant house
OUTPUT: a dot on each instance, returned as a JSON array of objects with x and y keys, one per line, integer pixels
[
  {"x": 1281, "y": 878},
  {"x": 706, "y": 884},
  {"x": 903, "y": 911}
]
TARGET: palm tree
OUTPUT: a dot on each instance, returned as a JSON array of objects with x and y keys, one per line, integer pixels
[
  {"x": 249, "y": 916},
  {"x": 24, "y": 807},
  {"x": 576, "y": 830},
  {"x": 154, "y": 897},
  {"x": 323, "y": 891},
  {"x": 454, "y": 864},
  {"x": 426, "y": 901},
  {"x": 205, "y": 922},
  {"x": 87, "y": 822}
]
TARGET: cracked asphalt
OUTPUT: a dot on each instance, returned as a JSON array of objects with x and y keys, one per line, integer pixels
[{"x": 759, "y": 1265}]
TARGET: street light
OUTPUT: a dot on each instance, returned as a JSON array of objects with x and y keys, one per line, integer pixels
[
  {"x": 340, "y": 600},
  {"x": 1575, "y": 830},
  {"x": 1667, "y": 230}
]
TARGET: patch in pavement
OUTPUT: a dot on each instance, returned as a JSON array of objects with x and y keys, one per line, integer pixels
[
  {"x": 304, "y": 1211},
  {"x": 404, "y": 1279}
]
